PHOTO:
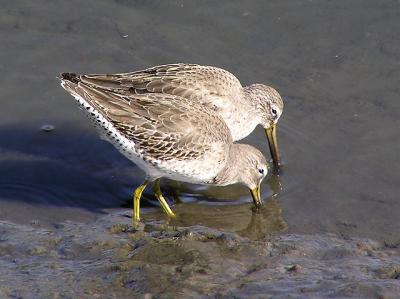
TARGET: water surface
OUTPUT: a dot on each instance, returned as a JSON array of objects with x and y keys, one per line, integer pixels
[{"x": 335, "y": 64}]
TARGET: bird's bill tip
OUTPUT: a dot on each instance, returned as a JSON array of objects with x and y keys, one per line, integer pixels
[{"x": 256, "y": 194}]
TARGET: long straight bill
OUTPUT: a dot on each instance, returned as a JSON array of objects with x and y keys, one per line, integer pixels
[{"x": 273, "y": 144}]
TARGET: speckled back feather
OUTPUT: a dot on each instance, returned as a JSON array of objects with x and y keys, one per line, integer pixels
[
  {"x": 191, "y": 81},
  {"x": 242, "y": 108},
  {"x": 163, "y": 127}
]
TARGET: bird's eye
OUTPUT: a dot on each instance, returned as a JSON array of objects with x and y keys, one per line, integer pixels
[
  {"x": 274, "y": 111},
  {"x": 261, "y": 171}
]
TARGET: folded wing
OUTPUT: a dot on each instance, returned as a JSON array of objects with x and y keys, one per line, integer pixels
[
  {"x": 162, "y": 126},
  {"x": 206, "y": 84}
]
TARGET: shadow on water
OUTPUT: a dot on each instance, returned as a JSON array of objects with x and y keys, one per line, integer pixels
[
  {"x": 70, "y": 168},
  {"x": 62, "y": 168}
]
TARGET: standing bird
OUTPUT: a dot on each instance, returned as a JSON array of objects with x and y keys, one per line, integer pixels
[
  {"x": 169, "y": 136},
  {"x": 242, "y": 108}
]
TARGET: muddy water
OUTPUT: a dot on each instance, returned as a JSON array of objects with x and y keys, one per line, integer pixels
[{"x": 63, "y": 191}]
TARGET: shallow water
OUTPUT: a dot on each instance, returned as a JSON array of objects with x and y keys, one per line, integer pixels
[{"x": 336, "y": 64}]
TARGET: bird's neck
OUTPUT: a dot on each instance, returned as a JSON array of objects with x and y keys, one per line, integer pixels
[
  {"x": 242, "y": 117},
  {"x": 229, "y": 174}
]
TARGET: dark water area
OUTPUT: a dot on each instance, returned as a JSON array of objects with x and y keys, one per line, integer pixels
[{"x": 336, "y": 65}]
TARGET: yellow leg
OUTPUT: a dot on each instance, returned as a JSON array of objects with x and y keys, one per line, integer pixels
[
  {"x": 136, "y": 201},
  {"x": 161, "y": 199}
]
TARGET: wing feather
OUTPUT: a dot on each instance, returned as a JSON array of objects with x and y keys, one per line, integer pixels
[
  {"x": 191, "y": 81},
  {"x": 162, "y": 126}
]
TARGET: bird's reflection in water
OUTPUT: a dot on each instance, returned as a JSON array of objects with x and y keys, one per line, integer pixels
[
  {"x": 265, "y": 221},
  {"x": 268, "y": 219},
  {"x": 207, "y": 207}
]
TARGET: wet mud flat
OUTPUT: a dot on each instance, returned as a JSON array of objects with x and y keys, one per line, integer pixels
[{"x": 107, "y": 258}]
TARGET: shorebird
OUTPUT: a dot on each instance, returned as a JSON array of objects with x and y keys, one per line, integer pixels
[
  {"x": 169, "y": 136},
  {"x": 242, "y": 108}
]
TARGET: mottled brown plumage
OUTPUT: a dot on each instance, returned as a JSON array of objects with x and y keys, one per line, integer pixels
[
  {"x": 242, "y": 108},
  {"x": 187, "y": 80},
  {"x": 163, "y": 126}
]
